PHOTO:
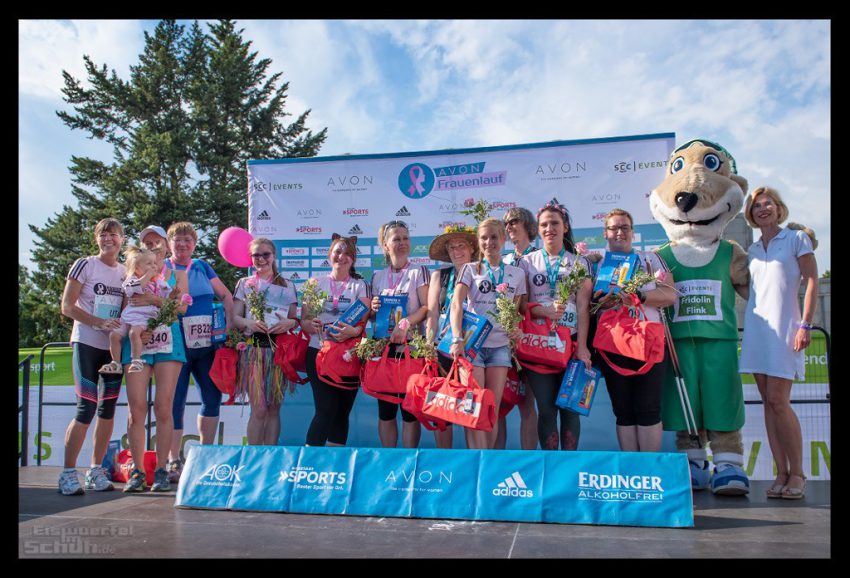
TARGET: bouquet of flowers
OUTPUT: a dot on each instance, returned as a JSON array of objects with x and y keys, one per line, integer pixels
[
  {"x": 422, "y": 346},
  {"x": 478, "y": 210},
  {"x": 257, "y": 302},
  {"x": 592, "y": 256},
  {"x": 630, "y": 287},
  {"x": 167, "y": 313},
  {"x": 507, "y": 316},
  {"x": 368, "y": 348},
  {"x": 312, "y": 299},
  {"x": 571, "y": 284},
  {"x": 235, "y": 340}
]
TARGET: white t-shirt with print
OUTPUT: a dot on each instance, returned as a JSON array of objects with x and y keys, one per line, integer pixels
[
  {"x": 100, "y": 296},
  {"x": 537, "y": 277},
  {"x": 277, "y": 297},
  {"x": 354, "y": 289},
  {"x": 482, "y": 294},
  {"x": 407, "y": 283}
]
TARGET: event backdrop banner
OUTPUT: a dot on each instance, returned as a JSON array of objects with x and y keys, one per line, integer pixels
[
  {"x": 610, "y": 488},
  {"x": 298, "y": 203}
]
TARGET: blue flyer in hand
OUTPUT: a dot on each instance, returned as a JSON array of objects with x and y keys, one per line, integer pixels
[{"x": 614, "y": 270}]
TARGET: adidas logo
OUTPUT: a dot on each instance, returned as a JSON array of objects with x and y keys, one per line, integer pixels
[
  {"x": 403, "y": 212},
  {"x": 513, "y": 486},
  {"x": 355, "y": 230},
  {"x": 264, "y": 216},
  {"x": 295, "y": 276},
  {"x": 556, "y": 201}
]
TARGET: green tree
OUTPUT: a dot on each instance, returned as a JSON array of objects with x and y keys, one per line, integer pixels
[{"x": 196, "y": 106}]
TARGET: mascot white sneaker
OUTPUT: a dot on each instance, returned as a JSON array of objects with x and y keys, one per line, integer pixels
[{"x": 699, "y": 196}]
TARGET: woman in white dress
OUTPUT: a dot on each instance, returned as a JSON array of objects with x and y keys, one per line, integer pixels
[{"x": 775, "y": 334}]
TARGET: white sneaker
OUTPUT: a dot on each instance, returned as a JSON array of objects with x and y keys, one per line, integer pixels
[
  {"x": 69, "y": 483},
  {"x": 97, "y": 480}
]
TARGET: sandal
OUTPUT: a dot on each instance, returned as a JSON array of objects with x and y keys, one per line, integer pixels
[
  {"x": 776, "y": 489},
  {"x": 111, "y": 367},
  {"x": 136, "y": 366},
  {"x": 792, "y": 493}
]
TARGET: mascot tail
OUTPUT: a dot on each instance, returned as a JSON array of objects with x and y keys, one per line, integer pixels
[{"x": 806, "y": 230}]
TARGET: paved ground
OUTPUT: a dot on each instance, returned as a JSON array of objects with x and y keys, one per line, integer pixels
[{"x": 112, "y": 524}]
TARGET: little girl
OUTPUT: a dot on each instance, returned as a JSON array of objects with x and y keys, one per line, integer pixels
[{"x": 134, "y": 318}]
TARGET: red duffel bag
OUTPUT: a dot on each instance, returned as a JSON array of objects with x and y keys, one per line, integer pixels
[
  {"x": 417, "y": 388},
  {"x": 337, "y": 363},
  {"x": 513, "y": 394},
  {"x": 543, "y": 343},
  {"x": 223, "y": 372},
  {"x": 630, "y": 336},
  {"x": 125, "y": 464},
  {"x": 291, "y": 354},
  {"x": 386, "y": 377},
  {"x": 448, "y": 399}
]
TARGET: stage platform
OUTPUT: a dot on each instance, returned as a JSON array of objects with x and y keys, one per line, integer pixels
[{"x": 114, "y": 524}]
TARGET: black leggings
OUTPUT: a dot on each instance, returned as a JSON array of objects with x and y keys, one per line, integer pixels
[
  {"x": 333, "y": 406},
  {"x": 636, "y": 399},
  {"x": 95, "y": 392},
  {"x": 545, "y": 388}
]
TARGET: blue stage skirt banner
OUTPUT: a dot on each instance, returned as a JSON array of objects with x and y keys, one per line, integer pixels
[{"x": 609, "y": 488}]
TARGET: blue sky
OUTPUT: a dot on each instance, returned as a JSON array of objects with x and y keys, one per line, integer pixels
[{"x": 760, "y": 88}]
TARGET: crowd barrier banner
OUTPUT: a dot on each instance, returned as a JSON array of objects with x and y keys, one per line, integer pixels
[{"x": 607, "y": 488}]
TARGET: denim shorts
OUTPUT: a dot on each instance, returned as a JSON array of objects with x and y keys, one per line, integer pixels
[{"x": 493, "y": 357}]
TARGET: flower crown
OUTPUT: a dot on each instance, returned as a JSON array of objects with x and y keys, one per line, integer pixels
[{"x": 554, "y": 205}]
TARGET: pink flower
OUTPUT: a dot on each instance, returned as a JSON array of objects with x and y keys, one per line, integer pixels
[
  {"x": 347, "y": 356},
  {"x": 581, "y": 248},
  {"x": 241, "y": 346},
  {"x": 661, "y": 275},
  {"x": 404, "y": 324},
  {"x": 312, "y": 281},
  {"x": 469, "y": 202},
  {"x": 502, "y": 288},
  {"x": 251, "y": 282},
  {"x": 186, "y": 299}
]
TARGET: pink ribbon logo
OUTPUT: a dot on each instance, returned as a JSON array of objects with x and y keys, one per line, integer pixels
[{"x": 417, "y": 177}]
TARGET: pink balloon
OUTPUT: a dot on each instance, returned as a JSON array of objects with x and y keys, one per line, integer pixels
[{"x": 233, "y": 244}]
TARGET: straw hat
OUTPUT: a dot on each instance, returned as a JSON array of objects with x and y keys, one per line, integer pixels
[{"x": 438, "y": 252}]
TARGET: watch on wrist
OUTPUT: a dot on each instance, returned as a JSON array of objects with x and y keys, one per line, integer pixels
[{"x": 457, "y": 340}]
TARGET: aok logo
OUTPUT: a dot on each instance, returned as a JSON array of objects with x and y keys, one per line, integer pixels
[
  {"x": 513, "y": 486},
  {"x": 222, "y": 474}
]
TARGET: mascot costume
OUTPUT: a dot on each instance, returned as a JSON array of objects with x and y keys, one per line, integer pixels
[{"x": 699, "y": 196}]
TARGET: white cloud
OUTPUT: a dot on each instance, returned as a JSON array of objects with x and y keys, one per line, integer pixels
[{"x": 46, "y": 47}]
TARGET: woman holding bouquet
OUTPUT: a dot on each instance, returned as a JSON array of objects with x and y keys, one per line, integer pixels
[
  {"x": 324, "y": 300},
  {"x": 482, "y": 283},
  {"x": 636, "y": 399},
  {"x": 196, "y": 325},
  {"x": 544, "y": 269},
  {"x": 264, "y": 305},
  {"x": 163, "y": 355},
  {"x": 457, "y": 247},
  {"x": 399, "y": 278},
  {"x": 521, "y": 229}
]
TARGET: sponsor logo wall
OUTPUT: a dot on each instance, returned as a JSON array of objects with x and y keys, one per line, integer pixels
[
  {"x": 632, "y": 489},
  {"x": 299, "y": 203}
]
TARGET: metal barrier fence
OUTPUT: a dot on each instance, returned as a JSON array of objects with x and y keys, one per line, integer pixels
[
  {"x": 24, "y": 410},
  {"x": 42, "y": 403}
]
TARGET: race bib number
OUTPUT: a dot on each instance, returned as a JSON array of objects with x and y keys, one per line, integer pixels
[
  {"x": 699, "y": 300},
  {"x": 198, "y": 331},
  {"x": 107, "y": 306},
  {"x": 570, "y": 318},
  {"x": 161, "y": 341}
]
